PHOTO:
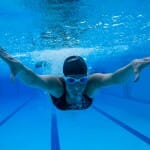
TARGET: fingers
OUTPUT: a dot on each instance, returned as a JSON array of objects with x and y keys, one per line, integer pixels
[
  {"x": 146, "y": 61},
  {"x": 12, "y": 77},
  {"x": 3, "y": 54},
  {"x": 147, "y": 58},
  {"x": 137, "y": 76},
  {"x": 2, "y": 51}
]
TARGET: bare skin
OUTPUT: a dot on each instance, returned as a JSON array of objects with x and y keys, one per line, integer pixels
[{"x": 54, "y": 86}]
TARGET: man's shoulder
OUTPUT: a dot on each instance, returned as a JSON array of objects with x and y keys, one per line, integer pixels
[
  {"x": 56, "y": 82},
  {"x": 51, "y": 78},
  {"x": 93, "y": 78},
  {"x": 95, "y": 81}
]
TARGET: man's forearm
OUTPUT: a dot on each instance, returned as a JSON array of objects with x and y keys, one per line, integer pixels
[
  {"x": 27, "y": 76},
  {"x": 133, "y": 68},
  {"x": 123, "y": 74}
]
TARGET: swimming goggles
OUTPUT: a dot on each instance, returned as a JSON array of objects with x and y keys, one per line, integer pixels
[{"x": 71, "y": 80}]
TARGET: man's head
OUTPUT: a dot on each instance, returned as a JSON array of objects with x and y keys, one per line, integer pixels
[
  {"x": 75, "y": 72},
  {"x": 74, "y": 65}
]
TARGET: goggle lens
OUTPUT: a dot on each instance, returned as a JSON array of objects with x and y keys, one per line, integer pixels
[{"x": 71, "y": 80}]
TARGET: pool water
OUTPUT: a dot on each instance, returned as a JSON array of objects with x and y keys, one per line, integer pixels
[{"x": 108, "y": 35}]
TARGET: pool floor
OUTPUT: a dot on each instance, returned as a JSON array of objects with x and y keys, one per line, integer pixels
[{"x": 111, "y": 123}]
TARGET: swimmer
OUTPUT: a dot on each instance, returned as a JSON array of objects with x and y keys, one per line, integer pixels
[{"x": 74, "y": 90}]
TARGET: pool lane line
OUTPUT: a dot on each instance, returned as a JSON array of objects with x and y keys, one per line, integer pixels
[
  {"x": 2, "y": 122},
  {"x": 55, "y": 144},
  {"x": 125, "y": 126},
  {"x": 130, "y": 98}
]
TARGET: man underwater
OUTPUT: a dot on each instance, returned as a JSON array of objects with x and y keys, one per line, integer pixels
[{"x": 75, "y": 89}]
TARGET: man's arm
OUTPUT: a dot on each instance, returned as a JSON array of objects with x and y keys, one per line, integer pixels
[
  {"x": 120, "y": 76},
  {"x": 50, "y": 83}
]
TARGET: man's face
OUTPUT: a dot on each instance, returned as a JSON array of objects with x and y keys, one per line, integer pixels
[{"x": 76, "y": 88}]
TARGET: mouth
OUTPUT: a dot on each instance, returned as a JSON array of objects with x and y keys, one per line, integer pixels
[{"x": 76, "y": 93}]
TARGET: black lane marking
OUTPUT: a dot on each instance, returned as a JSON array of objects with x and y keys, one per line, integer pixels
[
  {"x": 2, "y": 122},
  {"x": 132, "y": 98},
  {"x": 123, "y": 125},
  {"x": 55, "y": 145}
]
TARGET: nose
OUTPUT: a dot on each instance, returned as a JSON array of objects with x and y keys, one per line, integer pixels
[{"x": 77, "y": 87}]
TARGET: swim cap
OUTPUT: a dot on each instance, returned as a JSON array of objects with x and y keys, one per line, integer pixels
[{"x": 74, "y": 65}]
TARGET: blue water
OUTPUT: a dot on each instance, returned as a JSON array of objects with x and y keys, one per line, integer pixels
[{"x": 108, "y": 35}]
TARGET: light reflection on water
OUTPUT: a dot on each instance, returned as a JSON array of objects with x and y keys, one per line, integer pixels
[{"x": 57, "y": 24}]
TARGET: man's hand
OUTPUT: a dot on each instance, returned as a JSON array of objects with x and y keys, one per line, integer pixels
[
  {"x": 14, "y": 64},
  {"x": 138, "y": 65}
]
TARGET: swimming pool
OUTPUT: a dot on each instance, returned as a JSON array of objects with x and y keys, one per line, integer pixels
[{"x": 108, "y": 35}]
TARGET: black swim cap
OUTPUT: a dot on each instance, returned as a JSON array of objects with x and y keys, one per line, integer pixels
[{"x": 74, "y": 65}]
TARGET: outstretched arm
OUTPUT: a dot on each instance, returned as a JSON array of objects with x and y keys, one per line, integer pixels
[
  {"x": 15, "y": 65},
  {"x": 121, "y": 75},
  {"x": 47, "y": 82}
]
